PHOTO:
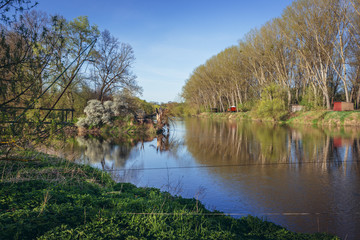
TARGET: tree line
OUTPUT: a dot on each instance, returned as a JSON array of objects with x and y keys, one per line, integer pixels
[
  {"x": 309, "y": 56},
  {"x": 42, "y": 55}
]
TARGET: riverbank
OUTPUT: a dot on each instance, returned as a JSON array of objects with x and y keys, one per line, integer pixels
[
  {"x": 119, "y": 128},
  {"x": 50, "y": 198},
  {"x": 320, "y": 118}
]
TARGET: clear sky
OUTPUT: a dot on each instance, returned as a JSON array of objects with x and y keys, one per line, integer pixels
[{"x": 170, "y": 38}]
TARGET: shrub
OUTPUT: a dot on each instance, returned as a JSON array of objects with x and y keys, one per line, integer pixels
[
  {"x": 247, "y": 106},
  {"x": 310, "y": 100},
  {"x": 123, "y": 106},
  {"x": 273, "y": 103},
  {"x": 120, "y": 107},
  {"x": 96, "y": 114}
]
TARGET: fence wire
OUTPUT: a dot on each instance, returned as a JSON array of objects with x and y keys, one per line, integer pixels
[{"x": 228, "y": 165}]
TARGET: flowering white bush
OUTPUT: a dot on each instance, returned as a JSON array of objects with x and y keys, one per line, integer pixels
[
  {"x": 81, "y": 122},
  {"x": 98, "y": 114},
  {"x": 120, "y": 107}
]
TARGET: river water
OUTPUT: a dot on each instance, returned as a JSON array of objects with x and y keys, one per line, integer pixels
[{"x": 304, "y": 178}]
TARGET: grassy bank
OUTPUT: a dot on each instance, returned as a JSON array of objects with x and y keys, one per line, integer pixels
[
  {"x": 320, "y": 118},
  {"x": 49, "y": 198},
  {"x": 326, "y": 118}
]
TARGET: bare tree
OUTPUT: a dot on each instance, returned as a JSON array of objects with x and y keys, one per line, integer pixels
[
  {"x": 112, "y": 66},
  {"x": 12, "y": 7}
]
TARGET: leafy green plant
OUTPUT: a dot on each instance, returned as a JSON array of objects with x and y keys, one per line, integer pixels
[
  {"x": 310, "y": 100},
  {"x": 245, "y": 107},
  {"x": 273, "y": 103}
]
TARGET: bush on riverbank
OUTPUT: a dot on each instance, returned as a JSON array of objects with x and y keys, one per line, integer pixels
[
  {"x": 50, "y": 198},
  {"x": 272, "y": 103},
  {"x": 118, "y": 117}
]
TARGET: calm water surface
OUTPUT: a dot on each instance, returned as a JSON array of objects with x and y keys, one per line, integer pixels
[{"x": 305, "y": 179}]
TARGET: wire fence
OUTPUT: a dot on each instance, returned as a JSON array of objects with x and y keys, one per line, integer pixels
[
  {"x": 231, "y": 214},
  {"x": 228, "y": 165}
]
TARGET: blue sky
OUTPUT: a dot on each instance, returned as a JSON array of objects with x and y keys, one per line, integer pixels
[{"x": 170, "y": 38}]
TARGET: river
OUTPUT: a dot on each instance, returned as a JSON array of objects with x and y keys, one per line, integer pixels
[{"x": 304, "y": 178}]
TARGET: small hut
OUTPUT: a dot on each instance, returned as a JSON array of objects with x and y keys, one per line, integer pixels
[
  {"x": 296, "y": 108},
  {"x": 343, "y": 106}
]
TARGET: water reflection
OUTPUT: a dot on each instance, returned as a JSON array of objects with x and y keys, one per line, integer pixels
[
  {"x": 304, "y": 178},
  {"x": 234, "y": 143},
  {"x": 109, "y": 154}
]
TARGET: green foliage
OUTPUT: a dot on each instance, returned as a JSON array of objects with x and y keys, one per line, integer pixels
[
  {"x": 310, "y": 100},
  {"x": 273, "y": 103},
  {"x": 181, "y": 109},
  {"x": 189, "y": 110},
  {"x": 33, "y": 115},
  {"x": 245, "y": 107},
  {"x": 176, "y": 109},
  {"x": 49, "y": 198},
  {"x": 148, "y": 108}
]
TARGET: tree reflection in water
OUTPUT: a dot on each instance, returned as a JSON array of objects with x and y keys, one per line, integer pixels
[
  {"x": 109, "y": 154},
  {"x": 167, "y": 144},
  {"x": 113, "y": 154},
  {"x": 280, "y": 169},
  {"x": 248, "y": 167},
  {"x": 240, "y": 143}
]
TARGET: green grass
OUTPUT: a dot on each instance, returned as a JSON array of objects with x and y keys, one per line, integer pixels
[
  {"x": 50, "y": 198},
  {"x": 321, "y": 117},
  {"x": 326, "y": 118}
]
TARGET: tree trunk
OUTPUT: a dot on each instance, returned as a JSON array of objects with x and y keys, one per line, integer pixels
[
  {"x": 358, "y": 98},
  {"x": 327, "y": 100},
  {"x": 289, "y": 98}
]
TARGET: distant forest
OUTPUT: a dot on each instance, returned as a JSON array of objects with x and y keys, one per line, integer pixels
[{"x": 310, "y": 55}]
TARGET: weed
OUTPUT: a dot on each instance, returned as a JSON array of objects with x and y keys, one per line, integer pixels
[{"x": 43, "y": 205}]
